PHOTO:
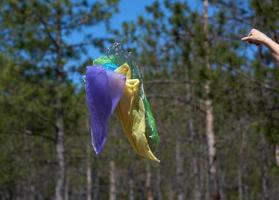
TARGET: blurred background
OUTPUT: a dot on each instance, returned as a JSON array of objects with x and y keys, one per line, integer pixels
[{"x": 214, "y": 97}]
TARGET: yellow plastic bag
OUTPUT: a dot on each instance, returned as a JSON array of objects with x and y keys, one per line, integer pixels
[{"x": 130, "y": 111}]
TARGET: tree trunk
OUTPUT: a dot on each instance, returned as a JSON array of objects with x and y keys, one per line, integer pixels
[
  {"x": 59, "y": 188},
  {"x": 204, "y": 175},
  {"x": 149, "y": 193},
  {"x": 158, "y": 184},
  {"x": 240, "y": 180},
  {"x": 88, "y": 173},
  {"x": 170, "y": 195},
  {"x": 31, "y": 192},
  {"x": 196, "y": 187},
  {"x": 179, "y": 172},
  {"x": 264, "y": 169},
  {"x": 66, "y": 190},
  {"x": 223, "y": 193},
  {"x": 29, "y": 188},
  {"x": 213, "y": 176},
  {"x": 241, "y": 166},
  {"x": 112, "y": 181},
  {"x": 277, "y": 154},
  {"x": 60, "y": 183},
  {"x": 96, "y": 187},
  {"x": 131, "y": 186}
]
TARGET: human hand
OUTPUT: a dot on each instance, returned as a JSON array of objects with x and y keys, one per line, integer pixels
[{"x": 255, "y": 37}]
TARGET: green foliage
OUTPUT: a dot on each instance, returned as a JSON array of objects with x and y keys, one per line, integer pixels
[{"x": 35, "y": 56}]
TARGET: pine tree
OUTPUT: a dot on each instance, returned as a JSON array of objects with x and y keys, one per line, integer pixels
[{"x": 39, "y": 33}]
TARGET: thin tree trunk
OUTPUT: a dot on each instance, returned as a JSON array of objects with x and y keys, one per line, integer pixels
[
  {"x": 158, "y": 184},
  {"x": 240, "y": 181},
  {"x": 214, "y": 184},
  {"x": 29, "y": 189},
  {"x": 96, "y": 187},
  {"x": 170, "y": 195},
  {"x": 88, "y": 173},
  {"x": 197, "y": 187},
  {"x": 66, "y": 190},
  {"x": 131, "y": 186},
  {"x": 241, "y": 167},
  {"x": 246, "y": 192},
  {"x": 59, "y": 188},
  {"x": 149, "y": 193},
  {"x": 179, "y": 173},
  {"x": 264, "y": 169},
  {"x": 277, "y": 154},
  {"x": 223, "y": 193},
  {"x": 213, "y": 176},
  {"x": 31, "y": 192},
  {"x": 60, "y": 183},
  {"x": 112, "y": 181},
  {"x": 205, "y": 175}
]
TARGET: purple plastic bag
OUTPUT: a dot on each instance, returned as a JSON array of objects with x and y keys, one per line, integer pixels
[{"x": 103, "y": 92}]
